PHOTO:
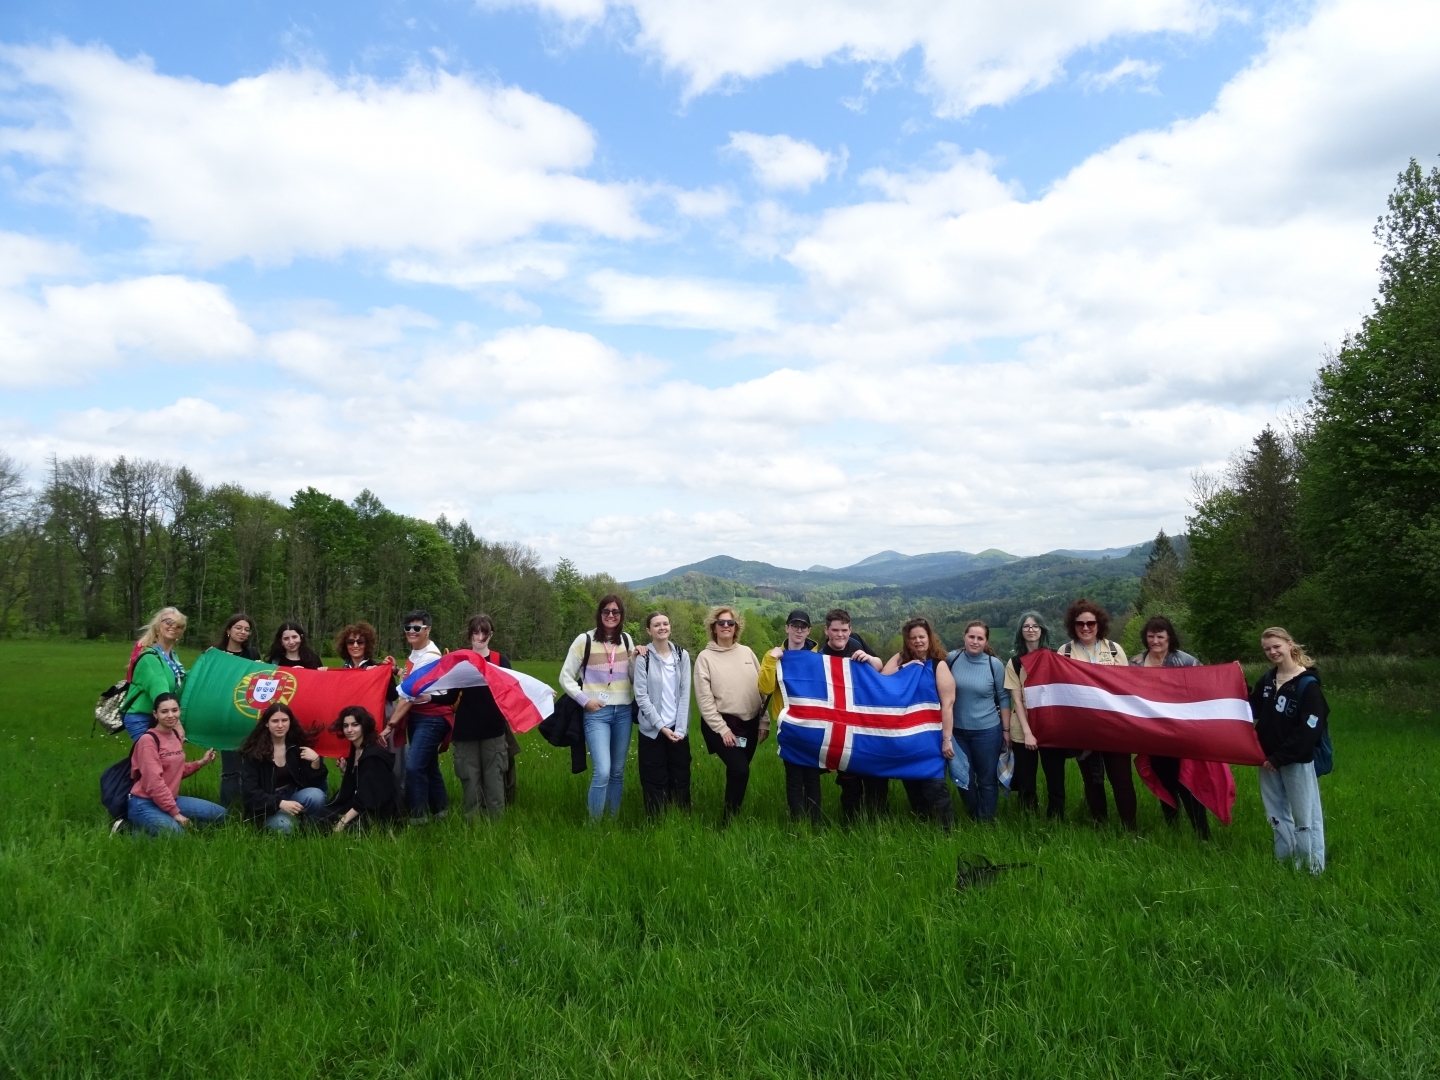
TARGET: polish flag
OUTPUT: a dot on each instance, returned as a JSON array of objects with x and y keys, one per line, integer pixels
[
  {"x": 1201, "y": 713},
  {"x": 523, "y": 700}
]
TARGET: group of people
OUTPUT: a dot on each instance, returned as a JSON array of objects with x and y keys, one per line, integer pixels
[{"x": 393, "y": 769}]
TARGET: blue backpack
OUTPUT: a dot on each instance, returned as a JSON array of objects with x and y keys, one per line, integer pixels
[
  {"x": 1324, "y": 758},
  {"x": 115, "y": 784}
]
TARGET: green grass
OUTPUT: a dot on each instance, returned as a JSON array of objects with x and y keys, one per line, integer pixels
[{"x": 545, "y": 946}]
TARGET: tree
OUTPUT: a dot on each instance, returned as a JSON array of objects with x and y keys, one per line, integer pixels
[
  {"x": 133, "y": 492},
  {"x": 1371, "y": 487},
  {"x": 17, "y": 538}
]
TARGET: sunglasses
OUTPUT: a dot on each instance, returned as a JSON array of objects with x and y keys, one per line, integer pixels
[
  {"x": 725, "y": 622},
  {"x": 414, "y": 629},
  {"x": 609, "y": 611},
  {"x": 355, "y": 641},
  {"x": 1087, "y": 622}
]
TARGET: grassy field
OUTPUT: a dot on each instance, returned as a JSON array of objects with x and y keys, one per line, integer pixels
[{"x": 546, "y": 946}]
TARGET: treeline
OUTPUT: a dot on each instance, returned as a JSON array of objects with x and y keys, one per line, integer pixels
[
  {"x": 100, "y": 545},
  {"x": 1332, "y": 527}
]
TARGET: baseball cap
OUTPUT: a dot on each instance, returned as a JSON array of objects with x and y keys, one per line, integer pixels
[{"x": 798, "y": 616}]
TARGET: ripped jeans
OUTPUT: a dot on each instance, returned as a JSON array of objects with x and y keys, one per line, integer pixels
[{"x": 1292, "y": 803}]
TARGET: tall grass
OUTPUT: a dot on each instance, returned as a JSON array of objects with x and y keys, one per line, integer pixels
[{"x": 544, "y": 945}]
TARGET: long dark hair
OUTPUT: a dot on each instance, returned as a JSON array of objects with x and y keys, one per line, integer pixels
[
  {"x": 224, "y": 643},
  {"x": 368, "y": 733},
  {"x": 601, "y": 634},
  {"x": 1021, "y": 645},
  {"x": 936, "y": 649},
  {"x": 308, "y": 656},
  {"x": 258, "y": 745}
]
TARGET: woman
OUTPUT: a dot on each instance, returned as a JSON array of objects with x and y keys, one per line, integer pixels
[
  {"x": 480, "y": 743},
  {"x": 281, "y": 777},
  {"x": 596, "y": 674},
  {"x": 367, "y": 790},
  {"x": 1088, "y": 625},
  {"x": 1291, "y": 718},
  {"x": 1162, "y": 649},
  {"x": 157, "y": 765},
  {"x": 291, "y": 648},
  {"x": 662, "y": 698},
  {"x": 235, "y": 638},
  {"x": 1031, "y": 636},
  {"x": 921, "y": 645},
  {"x": 727, "y": 691},
  {"x": 155, "y": 670},
  {"x": 356, "y": 645},
  {"x": 982, "y": 718}
]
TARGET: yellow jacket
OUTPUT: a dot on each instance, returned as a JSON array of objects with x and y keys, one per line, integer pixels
[{"x": 769, "y": 684}]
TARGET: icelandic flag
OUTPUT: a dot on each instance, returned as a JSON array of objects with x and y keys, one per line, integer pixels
[
  {"x": 523, "y": 700},
  {"x": 847, "y": 716}
]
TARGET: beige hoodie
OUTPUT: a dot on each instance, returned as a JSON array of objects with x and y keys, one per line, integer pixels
[{"x": 725, "y": 682}]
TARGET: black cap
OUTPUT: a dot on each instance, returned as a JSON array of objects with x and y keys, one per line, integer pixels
[{"x": 798, "y": 616}]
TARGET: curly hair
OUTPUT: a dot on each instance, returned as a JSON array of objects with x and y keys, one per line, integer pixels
[
  {"x": 716, "y": 612},
  {"x": 362, "y": 630},
  {"x": 368, "y": 731},
  {"x": 935, "y": 650},
  {"x": 1075, "y": 610}
]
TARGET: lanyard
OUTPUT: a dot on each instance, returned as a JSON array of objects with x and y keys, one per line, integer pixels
[{"x": 610, "y": 651}]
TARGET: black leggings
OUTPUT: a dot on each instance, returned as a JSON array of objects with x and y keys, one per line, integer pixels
[
  {"x": 1095, "y": 768},
  {"x": 1167, "y": 771},
  {"x": 870, "y": 794},
  {"x": 802, "y": 792},
  {"x": 736, "y": 758},
  {"x": 931, "y": 799},
  {"x": 1023, "y": 784},
  {"x": 664, "y": 772}
]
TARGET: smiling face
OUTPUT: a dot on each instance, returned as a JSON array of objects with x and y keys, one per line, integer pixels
[
  {"x": 278, "y": 726},
  {"x": 837, "y": 634},
  {"x": 290, "y": 642},
  {"x": 170, "y": 630},
  {"x": 239, "y": 634},
  {"x": 726, "y": 627},
  {"x": 611, "y": 615},
  {"x": 1158, "y": 641},
  {"x": 1087, "y": 626},
  {"x": 1030, "y": 632},
  {"x": 659, "y": 628},
  {"x": 975, "y": 640},
  {"x": 355, "y": 649},
  {"x": 1277, "y": 650},
  {"x": 167, "y": 715}
]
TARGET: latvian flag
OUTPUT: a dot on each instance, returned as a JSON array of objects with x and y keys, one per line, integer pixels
[
  {"x": 1202, "y": 713},
  {"x": 844, "y": 715},
  {"x": 523, "y": 700}
]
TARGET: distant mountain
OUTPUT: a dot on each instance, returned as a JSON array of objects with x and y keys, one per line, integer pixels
[
  {"x": 1035, "y": 579},
  {"x": 753, "y": 573}
]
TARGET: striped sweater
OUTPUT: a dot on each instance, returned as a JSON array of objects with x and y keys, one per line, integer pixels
[{"x": 606, "y": 678}]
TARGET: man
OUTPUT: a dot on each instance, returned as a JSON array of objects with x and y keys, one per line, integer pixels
[
  {"x": 428, "y": 730},
  {"x": 870, "y": 794},
  {"x": 802, "y": 782}
]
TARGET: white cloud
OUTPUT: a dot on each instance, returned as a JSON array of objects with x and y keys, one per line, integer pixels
[
  {"x": 1142, "y": 72},
  {"x": 25, "y": 257},
  {"x": 778, "y": 161},
  {"x": 682, "y": 302},
  {"x": 294, "y": 162},
  {"x": 70, "y": 330},
  {"x": 974, "y": 54}
]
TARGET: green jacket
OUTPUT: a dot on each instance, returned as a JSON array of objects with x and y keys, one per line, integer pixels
[{"x": 151, "y": 678}]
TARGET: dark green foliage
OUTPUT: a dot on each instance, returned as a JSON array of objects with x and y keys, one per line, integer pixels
[{"x": 1371, "y": 487}]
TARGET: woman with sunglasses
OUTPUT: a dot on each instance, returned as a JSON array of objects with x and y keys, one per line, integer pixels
[
  {"x": 154, "y": 670},
  {"x": 597, "y": 675},
  {"x": 356, "y": 645},
  {"x": 1088, "y": 624},
  {"x": 727, "y": 690}
]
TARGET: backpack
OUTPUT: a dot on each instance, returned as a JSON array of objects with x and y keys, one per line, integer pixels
[
  {"x": 116, "y": 782},
  {"x": 568, "y": 710},
  {"x": 1324, "y": 756},
  {"x": 110, "y": 705},
  {"x": 682, "y": 656}
]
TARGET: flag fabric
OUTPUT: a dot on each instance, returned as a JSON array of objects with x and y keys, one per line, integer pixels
[
  {"x": 224, "y": 695},
  {"x": 843, "y": 715},
  {"x": 1211, "y": 782},
  {"x": 1202, "y": 713},
  {"x": 522, "y": 699}
]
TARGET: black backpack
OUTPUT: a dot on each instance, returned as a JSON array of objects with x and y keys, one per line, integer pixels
[{"x": 115, "y": 784}]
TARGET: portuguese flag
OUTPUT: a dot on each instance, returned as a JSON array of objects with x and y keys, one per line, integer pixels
[{"x": 224, "y": 695}]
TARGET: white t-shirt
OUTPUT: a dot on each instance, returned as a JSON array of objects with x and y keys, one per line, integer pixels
[
  {"x": 666, "y": 679},
  {"x": 418, "y": 659}
]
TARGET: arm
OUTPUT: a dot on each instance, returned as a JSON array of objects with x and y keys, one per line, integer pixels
[
  {"x": 570, "y": 673},
  {"x": 682, "y": 698},
  {"x": 192, "y": 767},
  {"x": 945, "y": 684},
  {"x": 649, "y": 718},
  {"x": 893, "y": 665},
  {"x": 401, "y": 708},
  {"x": 147, "y": 764},
  {"x": 1003, "y": 696},
  {"x": 705, "y": 700},
  {"x": 150, "y": 679},
  {"x": 253, "y": 795},
  {"x": 1016, "y": 686},
  {"x": 308, "y": 768},
  {"x": 768, "y": 682}
]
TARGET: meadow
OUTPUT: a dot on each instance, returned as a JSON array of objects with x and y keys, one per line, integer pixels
[{"x": 544, "y": 945}]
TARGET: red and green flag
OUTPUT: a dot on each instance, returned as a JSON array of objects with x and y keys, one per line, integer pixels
[{"x": 225, "y": 694}]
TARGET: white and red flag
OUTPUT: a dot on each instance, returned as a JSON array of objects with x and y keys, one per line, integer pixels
[{"x": 523, "y": 700}]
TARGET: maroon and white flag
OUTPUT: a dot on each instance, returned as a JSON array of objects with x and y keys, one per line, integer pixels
[{"x": 1201, "y": 713}]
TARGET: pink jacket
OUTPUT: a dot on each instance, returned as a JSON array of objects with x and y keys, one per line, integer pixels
[{"x": 158, "y": 770}]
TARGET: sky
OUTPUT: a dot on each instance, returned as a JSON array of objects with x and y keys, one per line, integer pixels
[{"x": 646, "y": 281}]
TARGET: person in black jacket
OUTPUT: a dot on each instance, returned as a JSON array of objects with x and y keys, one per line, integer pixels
[
  {"x": 367, "y": 793},
  {"x": 281, "y": 777},
  {"x": 480, "y": 743},
  {"x": 1290, "y": 720}
]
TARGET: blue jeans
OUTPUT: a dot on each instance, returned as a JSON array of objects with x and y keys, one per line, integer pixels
[
  {"x": 982, "y": 750},
  {"x": 136, "y": 724},
  {"x": 607, "y": 734},
  {"x": 312, "y": 798},
  {"x": 424, "y": 783},
  {"x": 144, "y": 814}
]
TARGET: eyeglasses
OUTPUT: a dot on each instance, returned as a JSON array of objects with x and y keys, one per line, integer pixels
[
  {"x": 172, "y": 622},
  {"x": 1029, "y": 629},
  {"x": 610, "y": 611},
  {"x": 414, "y": 629},
  {"x": 1087, "y": 622},
  {"x": 725, "y": 622},
  {"x": 799, "y": 625}
]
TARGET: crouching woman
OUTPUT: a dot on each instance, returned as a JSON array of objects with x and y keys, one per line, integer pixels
[
  {"x": 157, "y": 766},
  {"x": 281, "y": 778},
  {"x": 367, "y": 794}
]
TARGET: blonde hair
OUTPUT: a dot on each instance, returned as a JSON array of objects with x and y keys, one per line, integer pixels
[
  {"x": 150, "y": 632},
  {"x": 715, "y": 613},
  {"x": 1297, "y": 651}
]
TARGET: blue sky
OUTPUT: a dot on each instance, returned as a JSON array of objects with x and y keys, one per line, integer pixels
[{"x": 646, "y": 282}]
